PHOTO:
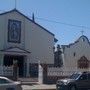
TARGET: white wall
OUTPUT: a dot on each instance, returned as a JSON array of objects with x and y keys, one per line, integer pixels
[
  {"x": 40, "y": 43},
  {"x": 33, "y": 38},
  {"x": 81, "y": 48}
]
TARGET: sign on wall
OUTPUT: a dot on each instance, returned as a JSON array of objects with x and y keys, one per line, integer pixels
[{"x": 14, "y": 31}]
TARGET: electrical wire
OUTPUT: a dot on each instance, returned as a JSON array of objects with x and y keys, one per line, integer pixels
[
  {"x": 58, "y": 22},
  {"x": 52, "y": 21}
]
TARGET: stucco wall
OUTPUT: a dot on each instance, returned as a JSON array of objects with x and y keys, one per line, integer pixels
[
  {"x": 80, "y": 48},
  {"x": 40, "y": 43},
  {"x": 2, "y": 31}
]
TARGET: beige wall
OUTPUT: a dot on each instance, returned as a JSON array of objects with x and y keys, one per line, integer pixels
[
  {"x": 33, "y": 38},
  {"x": 81, "y": 48}
]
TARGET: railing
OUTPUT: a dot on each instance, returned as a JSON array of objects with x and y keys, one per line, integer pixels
[
  {"x": 1, "y": 70},
  {"x": 55, "y": 71},
  {"x": 6, "y": 70}
]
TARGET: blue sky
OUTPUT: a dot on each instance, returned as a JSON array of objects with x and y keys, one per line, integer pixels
[{"x": 76, "y": 12}]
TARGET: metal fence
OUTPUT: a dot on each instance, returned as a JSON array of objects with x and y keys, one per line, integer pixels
[{"x": 6, "y": 70}]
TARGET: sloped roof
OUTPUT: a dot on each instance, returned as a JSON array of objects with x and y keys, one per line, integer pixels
[
  {"x": 26, "y": 18},
  {"x": 15, "y": 49},
  {"x": 83, "y": 36}
]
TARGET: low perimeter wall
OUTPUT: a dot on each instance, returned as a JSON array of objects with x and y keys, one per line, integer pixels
[{"x": 52, "y": 74}]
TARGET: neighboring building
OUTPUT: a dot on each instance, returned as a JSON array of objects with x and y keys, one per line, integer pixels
[
  {"x": 76, "y": 56},
  {"x": 26, "y": 42}
]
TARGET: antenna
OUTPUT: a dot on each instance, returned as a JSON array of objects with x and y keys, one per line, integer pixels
[
  {"x": 15, "y": 4},
  {"x": 33, "y": 18}
]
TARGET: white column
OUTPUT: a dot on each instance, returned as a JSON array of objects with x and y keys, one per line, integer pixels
[
  {"x": 40, "y": 73},
  {"x": 64, "y": 68}
]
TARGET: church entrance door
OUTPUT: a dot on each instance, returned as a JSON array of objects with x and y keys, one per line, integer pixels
[{"x": 9, "y": 61}]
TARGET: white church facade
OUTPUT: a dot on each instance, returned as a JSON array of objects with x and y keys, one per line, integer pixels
[
  {"x": 24, "y": 41},
  {"x": 76, "y": 56}
]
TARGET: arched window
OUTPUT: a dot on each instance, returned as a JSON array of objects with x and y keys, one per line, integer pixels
[
  {"x": 83, "y": 39},
  {"x": 83, "y": 63}
]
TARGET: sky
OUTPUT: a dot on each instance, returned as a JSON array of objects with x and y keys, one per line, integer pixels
[{"x": 64, "y": 18}]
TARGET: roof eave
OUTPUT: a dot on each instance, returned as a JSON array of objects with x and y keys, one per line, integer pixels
[{"x": 28, "y": 19}]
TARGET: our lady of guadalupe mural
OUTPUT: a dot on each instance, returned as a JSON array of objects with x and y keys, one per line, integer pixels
[{"x": 14, "y": 31}]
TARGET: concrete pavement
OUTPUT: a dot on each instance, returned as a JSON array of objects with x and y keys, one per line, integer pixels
[
  {"x": 33, "y": 84},
  {"x": 39, "y": 87}
]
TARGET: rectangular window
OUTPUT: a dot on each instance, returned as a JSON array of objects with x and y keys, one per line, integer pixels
[{"x": 14, "y": 31}]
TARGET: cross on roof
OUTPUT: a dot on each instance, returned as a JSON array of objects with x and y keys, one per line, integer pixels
[{"x": 82, "y": 32}]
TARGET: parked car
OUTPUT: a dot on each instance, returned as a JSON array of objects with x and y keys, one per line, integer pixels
[
  {"x": 76, "y": 81},
  {"x": 7, "y": 84}
]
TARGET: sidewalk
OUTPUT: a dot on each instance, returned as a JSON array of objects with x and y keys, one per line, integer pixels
[
  {"x": 39, "y": 87},
  {"x": 33, "y": 84}
]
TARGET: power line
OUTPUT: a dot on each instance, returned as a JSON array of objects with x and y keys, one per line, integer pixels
[
  {"x": 52, "y": 21},
  {"x": 68, "y": 24}
]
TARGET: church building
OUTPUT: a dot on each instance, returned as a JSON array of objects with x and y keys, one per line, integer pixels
[
  {"x": 76, "y": 56},
  {"x": 25, "y": 42}
]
